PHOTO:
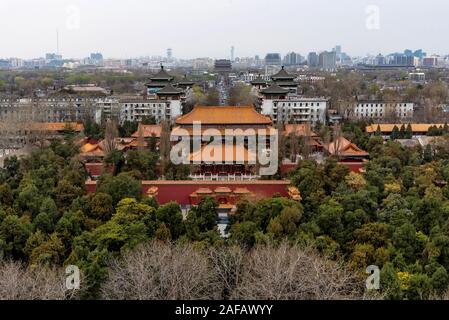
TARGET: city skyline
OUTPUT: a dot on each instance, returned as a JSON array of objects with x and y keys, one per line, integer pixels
[{"x": 141, "y": 28}]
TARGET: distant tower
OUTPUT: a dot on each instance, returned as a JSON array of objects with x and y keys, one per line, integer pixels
[
  {"x": 232, "y": 53},
  {"x": 57, "y": 42},
  {"x": 169, "y": 54}
]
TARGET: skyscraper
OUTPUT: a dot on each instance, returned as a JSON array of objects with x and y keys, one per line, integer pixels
[
  {"x": 338, "y": 50},
  {"x": 312, "y": 60},
  {"x": 169, "y": 54},
  {"x": 292, "y": 59},
  {"x": 327, "y": 60},
  {"x": 273, "y": 59},
  {"x": 232, "y": 53}
]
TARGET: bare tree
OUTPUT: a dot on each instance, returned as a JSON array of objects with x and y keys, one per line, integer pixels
[
  {"x": 37, "y": 283},
  {"x": 161, "y": 271},
  {"x": 291, "y": 273},
  {"x": 110, "y": 135},
  {"x": 227, "y": 263},
  {"x": 165, "y": 145}
]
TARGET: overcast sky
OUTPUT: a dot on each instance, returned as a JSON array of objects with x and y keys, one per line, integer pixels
[{"x": 199, "y": 28}]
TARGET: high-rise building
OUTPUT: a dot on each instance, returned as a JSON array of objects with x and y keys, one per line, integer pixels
[
  {"x": 96, "y": 58},
  {"x": 273, "y": 59},
  {"x": 292, "y": 59},
  {"x": 169, "y": 54},
  {"x": 430, "y": 61},
  {"x": 379, "y": 60},
  {"x": 327, "y": 60},
  {"x": 312, "y": 60},
  {"x": 404, "y": 60},
  {"x": 338, "y": 50},
  {"x": 232, "y": 54}
]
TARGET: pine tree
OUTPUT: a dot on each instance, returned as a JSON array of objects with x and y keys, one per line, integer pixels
[
  {"x": 409, "y": 132},
  {"x": 395, "y": 133}
]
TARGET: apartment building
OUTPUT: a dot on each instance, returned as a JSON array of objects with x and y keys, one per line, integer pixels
[
  {"x": 296, "y": 109},
  {"x": 65, "y": 108},
  {"x": 382, "y": 110}
]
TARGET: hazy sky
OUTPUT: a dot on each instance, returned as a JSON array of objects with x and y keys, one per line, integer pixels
[{"x": 198, "y": 28}]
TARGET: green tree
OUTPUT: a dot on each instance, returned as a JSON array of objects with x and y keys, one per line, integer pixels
[
  {"x": 14, "y": 233},
  {"x": 440, "y": 280},
  {"x": 202, "y": 218},
  {"x": 119, "y": 187},
  {"x": 244, "y": 233},
  {"x": 100, "y": 206},
  {"x": 389, "y": 282},
  {"x": 170, "y": 214},
  {"x": 395, "y": 133}
]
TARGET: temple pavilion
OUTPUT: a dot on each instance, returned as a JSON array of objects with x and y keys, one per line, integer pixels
[{"x": 232, "y": 159}]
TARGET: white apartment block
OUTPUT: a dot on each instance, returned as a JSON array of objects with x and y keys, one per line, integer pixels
[
  {"x": 296, "y": 110},
  {"x": 381, "y": 110},
  {"x": 136, "y": 110},
  {"x": 248, "y": 77},
  {"x": 50, "y": 109}
]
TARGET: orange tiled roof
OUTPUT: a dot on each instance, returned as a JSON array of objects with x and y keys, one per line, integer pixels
[
  {"x": 241, "y": 191},
  {"x": 148, "y": 130},
  {"x": 343, "y": 147},
  {"x": 224, "y": 115},
  {"x": 180, "y": 132},
  {"x": 88, "y": 147},
  {"x": 223, "y": 190},
  {"x": 299, "y": 130},
  {"x": 204, "y": 191},
  {"x": 388, "y": 127},
  {"x": 236, "y": 153},
  {"x": 55, "y": 126},
  {"x": 137, "y": 144}
]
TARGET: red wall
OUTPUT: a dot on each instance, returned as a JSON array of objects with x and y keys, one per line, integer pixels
[
  {"x": 356, "y": 167},
  {"x": 180, "y": 191}
]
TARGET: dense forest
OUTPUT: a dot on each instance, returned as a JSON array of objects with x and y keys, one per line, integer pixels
[{"x": 394, "y": 215}]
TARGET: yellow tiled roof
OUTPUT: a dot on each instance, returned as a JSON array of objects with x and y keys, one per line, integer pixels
[
  {"x": 299, "y": 130},
  {"x": 224, "y": 115},
  {"x": 388, "y": 127},
  {"x": 343, "y": 147},
  {"x": 55, "y": 126},
  {"x": 148, "y": 130},
  {"x": 235, "y": 153}
]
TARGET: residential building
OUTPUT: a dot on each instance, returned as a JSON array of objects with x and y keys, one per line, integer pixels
[
  {"x": 55, "y": 108},
  {"x": 313, "y": 60},
  {"x": 295, "y": 109},
  {"x": 430, "y": 61},
  {"x": 137, "y": 109},
  {"x": 328, "y": 60},
  {"x": 417, "y": 76},
  {"x": 273, "y": 59},
  {"x": 293, "y": 59},
  {"x": 383, "y": 110}
]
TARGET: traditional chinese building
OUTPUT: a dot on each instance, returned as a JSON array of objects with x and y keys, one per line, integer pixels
[
  {"x": 285, "y": 80},
  {"x": 347, "y": 153},
  {"x": 233, "y": 159},
  {"x": 304, "y": 131},
  {"x": 159, "y": 81}
]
